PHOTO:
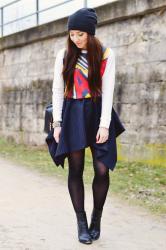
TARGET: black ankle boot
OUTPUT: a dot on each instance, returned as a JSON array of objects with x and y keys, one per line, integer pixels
[
  {"x": 82, "y": 225},
  {"x": 94, "y": 229}
]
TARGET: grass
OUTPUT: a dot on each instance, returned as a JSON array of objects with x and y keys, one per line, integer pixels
[{"x": 137, "y": 183}]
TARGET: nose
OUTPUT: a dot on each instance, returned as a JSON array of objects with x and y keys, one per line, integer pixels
[{"x": 76, "y": 40}]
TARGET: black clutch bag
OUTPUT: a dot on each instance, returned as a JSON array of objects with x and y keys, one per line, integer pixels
[{"x": 48, "y": 119}]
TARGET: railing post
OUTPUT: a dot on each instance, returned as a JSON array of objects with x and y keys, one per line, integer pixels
[
  {"x": 2, "y": 22},
  {"x": 85, "y": 3},
  {"x": 37, "y": 12}
]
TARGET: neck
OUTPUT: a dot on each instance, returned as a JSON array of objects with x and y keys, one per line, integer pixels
[{"x": 84, "y": 50}]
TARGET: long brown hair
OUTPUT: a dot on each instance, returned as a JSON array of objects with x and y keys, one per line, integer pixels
[{"x": 94, "y": 57}]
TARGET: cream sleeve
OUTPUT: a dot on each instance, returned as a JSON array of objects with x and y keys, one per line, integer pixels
[
  {"x": 58, "y": 87},
  {"x": 108, "y": 82}
]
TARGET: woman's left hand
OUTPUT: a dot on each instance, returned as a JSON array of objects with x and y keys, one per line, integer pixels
[{"x": 102, "y": 135}]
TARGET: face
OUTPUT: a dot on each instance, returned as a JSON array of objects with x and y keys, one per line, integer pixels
[{"x": 79, "y": 38}]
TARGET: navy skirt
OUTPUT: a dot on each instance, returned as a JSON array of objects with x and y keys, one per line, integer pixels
[{"x": 80, "y": 123}]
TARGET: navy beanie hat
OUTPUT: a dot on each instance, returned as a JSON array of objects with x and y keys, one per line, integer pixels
[{"x": 84, "y": 19}]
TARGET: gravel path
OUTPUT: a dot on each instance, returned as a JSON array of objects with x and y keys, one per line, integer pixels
[{"x": 36, "y": 214}]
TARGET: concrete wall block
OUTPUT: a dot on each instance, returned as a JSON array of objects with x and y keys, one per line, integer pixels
[
  {"x": 141, "y": 73},
  {"x": 2, "y": 58},
  {"x": 162, "y": 114},
  {"x": 40, "y": 125},
  {"x": 29, "y": 124},
  {"x": 40, "y": 111},
  {"x": 143, "y": 92},
  {"x": 33, "y": 138}
]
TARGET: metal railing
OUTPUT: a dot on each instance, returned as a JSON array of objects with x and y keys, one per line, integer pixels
[{"x": 36, "y": 13}]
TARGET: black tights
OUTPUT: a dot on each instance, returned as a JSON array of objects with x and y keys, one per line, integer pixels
[{"x": 100, "y": 183}]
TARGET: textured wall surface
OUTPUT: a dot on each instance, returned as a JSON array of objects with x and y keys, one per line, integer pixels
[{"x": 136, "y": 31}]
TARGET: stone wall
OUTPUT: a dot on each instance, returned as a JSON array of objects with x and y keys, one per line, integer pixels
[
  {"x": 23, "y": 112},
  {"x": 137, "y": 33}
]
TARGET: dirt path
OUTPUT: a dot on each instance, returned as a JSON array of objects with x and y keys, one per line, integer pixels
[{"x": 36, "y": 214}]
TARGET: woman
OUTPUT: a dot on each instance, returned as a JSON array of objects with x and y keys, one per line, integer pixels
[{"x": 84, "y": 77}]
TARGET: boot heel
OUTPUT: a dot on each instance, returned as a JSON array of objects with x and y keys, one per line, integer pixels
[{"x": 82, "y": 226}]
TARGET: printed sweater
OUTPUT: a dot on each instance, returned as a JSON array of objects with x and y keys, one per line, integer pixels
[{"x": 80, "y": 86}]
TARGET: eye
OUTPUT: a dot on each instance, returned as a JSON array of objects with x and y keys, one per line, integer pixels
[{"x": 80, "y": 34}]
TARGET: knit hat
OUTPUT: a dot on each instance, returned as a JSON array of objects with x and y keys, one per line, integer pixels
[{"x": 84, "y": 19}]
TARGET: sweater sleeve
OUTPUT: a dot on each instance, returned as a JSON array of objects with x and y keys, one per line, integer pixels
[
  {"x": 58, "y": 87},
  {"x": 108, "y": 82}
]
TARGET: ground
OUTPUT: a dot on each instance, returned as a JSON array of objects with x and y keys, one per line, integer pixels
[{"x": 36, "y": 214}]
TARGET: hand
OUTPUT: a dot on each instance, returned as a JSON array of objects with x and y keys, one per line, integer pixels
[
  {"x": 57, "y": 131},
  {"x": 102, "y": 135}
]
